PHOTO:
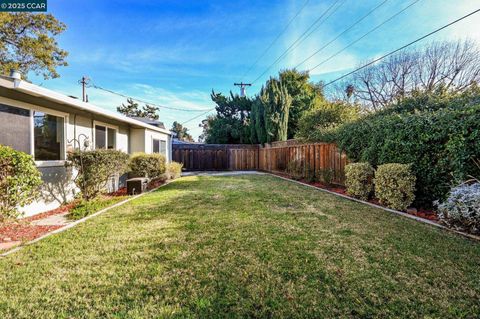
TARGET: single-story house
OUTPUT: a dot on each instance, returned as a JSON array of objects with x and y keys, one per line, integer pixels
[{"x": 47, "y": 124}]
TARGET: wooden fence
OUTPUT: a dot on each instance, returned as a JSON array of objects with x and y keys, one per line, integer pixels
[
  {"x": 199, "y": 157},
  {"x": 317, "y": 158}
]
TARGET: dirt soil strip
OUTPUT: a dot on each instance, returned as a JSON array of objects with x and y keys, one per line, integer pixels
[
  {"x": 419, "y": 219},
  {"x": 73, "y": 224}
]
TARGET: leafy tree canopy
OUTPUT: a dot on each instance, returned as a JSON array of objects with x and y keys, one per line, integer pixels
[
  {"x": 181, "y": 132},
  {"x": 27, "y": 43}
]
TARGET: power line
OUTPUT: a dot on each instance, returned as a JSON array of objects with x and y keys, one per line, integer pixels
[
  {"x": 343, "y": 32},
  {"x": 142, "y": 101},
  {"x": 301, "y": 37},
  {"x": 403, "y": 47},
  {"x": 363, "y": 36},
  {"x": 276, "y": 39},
  {"x": 196, "y": 117}
]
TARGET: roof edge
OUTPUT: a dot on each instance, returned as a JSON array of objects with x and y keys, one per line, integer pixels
[{"x": 35, "y": 90}]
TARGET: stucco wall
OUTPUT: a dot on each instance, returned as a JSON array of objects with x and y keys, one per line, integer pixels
[
  {"x": 58, "y": 186},
  {"x": 150, "y": 135},
  {"x": 57, "y": 189}
]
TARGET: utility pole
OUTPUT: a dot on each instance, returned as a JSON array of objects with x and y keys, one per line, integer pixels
[
  {"x": 84, "y": 82},
  {"x": 243, "y": 91}
]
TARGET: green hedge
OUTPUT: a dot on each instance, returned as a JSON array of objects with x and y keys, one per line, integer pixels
[
  {"x": 395, "y": 185},
  {"x": 19, "y": 181},
  {"x": 359, "y": 180},
  {"x": 174, "y": 170},
  {"x": 439, "y": 135},
  {"x": 95, "y": 168},
  {"x": 147, "y": 165}
]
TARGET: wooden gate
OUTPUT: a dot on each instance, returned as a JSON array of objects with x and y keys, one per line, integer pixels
[{"x": 201, "y": 157}]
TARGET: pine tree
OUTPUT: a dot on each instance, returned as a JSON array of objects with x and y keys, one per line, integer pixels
[
  {"x": 181, "y": 132},
  {"x": 133, "y": 109},
  {"x": 150, "y": 112},
  {"x": 130, "y": 109}
]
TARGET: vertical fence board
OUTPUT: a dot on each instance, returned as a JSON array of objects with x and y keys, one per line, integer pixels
[{"x": 315, "y": 156}]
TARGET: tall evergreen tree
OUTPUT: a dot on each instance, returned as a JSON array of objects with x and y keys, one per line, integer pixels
[
  {"x": 257, "y": 120},
  {"x": 132, "y": 108},
  {"x": 181, "y": 132},
  {"x": 277, "y": 103},
  {"x": 150, "y": 112},
  {"x": 231, "y": 123}
]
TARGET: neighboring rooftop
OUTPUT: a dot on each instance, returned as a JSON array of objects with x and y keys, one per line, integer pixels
[
  {"x": 179, "y": 142},
  {"x": 150, "y": 121}
]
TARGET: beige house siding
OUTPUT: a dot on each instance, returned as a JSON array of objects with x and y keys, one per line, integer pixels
[{"x": 58, "y": 186}]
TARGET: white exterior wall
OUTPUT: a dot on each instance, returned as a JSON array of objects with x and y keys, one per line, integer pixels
[
  {"x": 150, "y": 135},
  {"x": 58, "y": 186}
]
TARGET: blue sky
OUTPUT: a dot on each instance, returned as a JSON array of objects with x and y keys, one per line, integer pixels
[{"x": 175, "y": 52}]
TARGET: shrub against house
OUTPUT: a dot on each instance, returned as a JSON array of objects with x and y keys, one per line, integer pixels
[{"x": 19, "y": 181}]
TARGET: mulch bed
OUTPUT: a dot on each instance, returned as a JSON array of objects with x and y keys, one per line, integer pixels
[
  {"x": 60, "y": 210},
  {"x": 23, "y": 230},
  {"x": 422, "y": 213}
]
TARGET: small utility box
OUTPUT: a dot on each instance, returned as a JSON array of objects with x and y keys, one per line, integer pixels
[{"x": 137, "y": 185}]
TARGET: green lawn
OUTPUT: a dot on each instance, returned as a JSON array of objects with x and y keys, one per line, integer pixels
[{"x": 247, "y": 246}]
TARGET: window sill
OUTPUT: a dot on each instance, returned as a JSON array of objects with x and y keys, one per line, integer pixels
[{"x": 50, "y": 163}]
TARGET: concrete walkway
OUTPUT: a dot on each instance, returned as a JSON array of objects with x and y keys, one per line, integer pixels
[
  {"x": 53, "y": 220},
  {"x": 220, "y": 173}
]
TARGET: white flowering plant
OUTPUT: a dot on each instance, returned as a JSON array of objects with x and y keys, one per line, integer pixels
[{"x": 461, "y": 210}]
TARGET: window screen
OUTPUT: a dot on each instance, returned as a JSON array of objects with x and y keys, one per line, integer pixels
[
  {"x": 15, "y": 126},
  {"x": 156, "y": 146},
  {"x": 48, "y": 136},
  {"x": 100, "y": 138},
  {"x": 111, "y": 138},
  {"x": 163, "y": 147}
]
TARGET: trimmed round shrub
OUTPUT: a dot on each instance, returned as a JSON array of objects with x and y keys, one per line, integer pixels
[
  {"x": 395, "y": 185},
  {"x": 147, "y": 165},
  {"x": 461, "y": 210},
  {"x": 95, "y": 168},
  {"x": 438, "y": 134},
  {"x": 359, "y": 179},
  {"x": 19, "y": 181},
  {"x": 174, "y": 170}
]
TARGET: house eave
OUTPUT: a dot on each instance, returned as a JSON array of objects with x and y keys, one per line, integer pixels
[{"x": 37, "y": 91}]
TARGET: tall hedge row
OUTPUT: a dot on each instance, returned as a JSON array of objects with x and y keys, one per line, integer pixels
[{"x": 438, "y": 134}]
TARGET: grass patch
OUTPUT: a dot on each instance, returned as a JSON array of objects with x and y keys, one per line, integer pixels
[
  {"x": 85, "y": 208},
  {"x": 244, "y": 246}
]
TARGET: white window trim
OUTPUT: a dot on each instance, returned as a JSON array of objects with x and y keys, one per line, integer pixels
[
  {"x": 107, "y": 126},
  {"x": 159, "y": 145},
  {"x": 32, "y": 108}
]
